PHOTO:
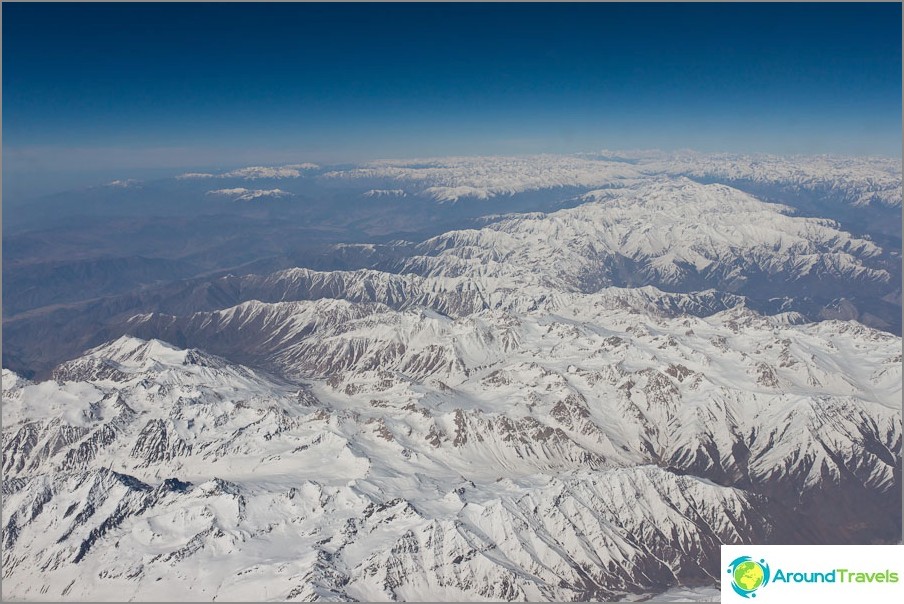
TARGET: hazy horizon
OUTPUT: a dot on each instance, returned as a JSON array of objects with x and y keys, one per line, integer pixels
[
  {"x": 134, "y": 89},
  {"x": 34, "y": 186}
]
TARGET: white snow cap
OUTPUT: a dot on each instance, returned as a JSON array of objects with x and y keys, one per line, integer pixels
[{"x": 242, "y": 194}]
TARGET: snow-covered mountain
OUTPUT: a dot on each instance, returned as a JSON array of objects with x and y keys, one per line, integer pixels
[
  {"x": 243, "y": 194},
  {"x": 580, "y": 450},
  {"x": 668, "y": 232},
  {"x": 859, "y": 181},
  {"x": 256, "y": 172},
  {"x": 579, "y": 403},
  {"x": 451, "y": 179},
  {"x": 452, "y": 296},
  {"x": 855, "y": 180}
]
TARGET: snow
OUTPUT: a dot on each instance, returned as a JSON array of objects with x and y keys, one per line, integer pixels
[
  {"x": 714, "y": 228},
  {"x": 256, "y": 172},
  {"x": 194, "y": 175},
  {"x": 124, "y": 183},
  {"x": 384, "y": 193},
  {"x": 242, "y": 194},
  {"x": 347, "y": 496},
  {"x": 454, "y": 178},
  {"x": 860, "y": 181},
  {"x": 685, "y": 594},
  {"x": 855, "y": 180},
  {"x": 70, "y": 402}
]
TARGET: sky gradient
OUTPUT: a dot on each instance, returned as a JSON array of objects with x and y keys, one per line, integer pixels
[{"x": 127, "y": 89}]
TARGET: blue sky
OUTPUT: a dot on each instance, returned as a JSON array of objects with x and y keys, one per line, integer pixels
[{"x": 129, "y": 89}]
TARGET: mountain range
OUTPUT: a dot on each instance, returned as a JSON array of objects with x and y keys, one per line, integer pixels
[{"x": 542, "y": 378}]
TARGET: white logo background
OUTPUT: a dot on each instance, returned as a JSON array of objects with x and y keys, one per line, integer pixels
[{"x": 818, "y": 558}]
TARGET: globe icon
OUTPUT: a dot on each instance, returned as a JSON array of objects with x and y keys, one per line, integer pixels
[{"x": 748, "y": 575}]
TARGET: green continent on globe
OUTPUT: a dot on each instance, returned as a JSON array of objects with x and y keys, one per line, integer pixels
[{"x": 748, "y": 575}]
